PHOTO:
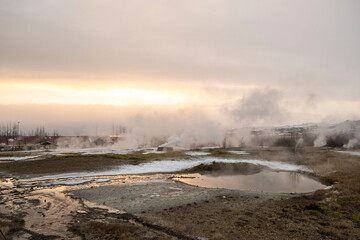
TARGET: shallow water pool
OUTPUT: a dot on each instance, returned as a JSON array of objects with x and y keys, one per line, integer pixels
[{"x": 264, "y": 181}]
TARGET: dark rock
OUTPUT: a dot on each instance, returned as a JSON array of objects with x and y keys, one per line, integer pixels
[{"x": 18, "y": 202}]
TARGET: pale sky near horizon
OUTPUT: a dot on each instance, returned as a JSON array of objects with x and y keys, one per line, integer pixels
[{"x": 238, "y": 63}]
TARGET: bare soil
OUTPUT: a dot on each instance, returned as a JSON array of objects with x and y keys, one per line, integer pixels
[
  {"x": 171, "y": 210},
  {"x": 74, "y": 162},
  {"x": 64, "y": 164}
]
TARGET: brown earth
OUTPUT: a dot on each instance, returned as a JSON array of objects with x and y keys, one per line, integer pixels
[
  {"x": 195, "y": 212},
  {"x": 68, "y": 164}
]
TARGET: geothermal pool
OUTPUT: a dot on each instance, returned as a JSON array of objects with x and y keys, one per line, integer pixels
[
  {"x": 276, "y": 177},
  {"x": 264, "y": 181},
  {"x": 167, "y": 166}
]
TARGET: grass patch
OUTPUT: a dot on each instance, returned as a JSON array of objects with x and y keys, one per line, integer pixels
[
  {"x": 314, "y": 209},
  {"x": 77, "y": 163},
  {"x": 311, "y": 212},
  {"x": 328, "y": 233},
  {"x": 327, "y": 181},
  {"x": 114, "y": 231},
  {"x": 67, "y": 155},
  {"x": 337, "y": 214},
  {"x": 227, "y": 168},
  {"x": 206, "y": 167},
  {"x": 224, "y": 153},
  {"x": 348, "y": 200},
  {"x": 356, "y": 219},
  {"x": 219, "y": 153},
  {"x": 129, "y": 156},
  {"x": 110, "y": 230},
  {"x": 341, "y": 227},
  {"x": 136, "y": 156}
]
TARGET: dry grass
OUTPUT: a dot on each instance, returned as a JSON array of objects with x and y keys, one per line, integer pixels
[
  {"x": 110, "y": 230},
  {"x": 227, "y": 168},
  {"x": 117, "y": 230},
  {"x": 326, "y": 214},
  {"x": 78, "y": 162}
]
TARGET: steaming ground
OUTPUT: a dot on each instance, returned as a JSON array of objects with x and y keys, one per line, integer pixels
[
  {"x": 171, "y": 166},
  {"x": 155, "y": 206}
]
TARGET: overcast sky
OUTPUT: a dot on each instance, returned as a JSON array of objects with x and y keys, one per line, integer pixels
[{"x": 247, "y": 62}]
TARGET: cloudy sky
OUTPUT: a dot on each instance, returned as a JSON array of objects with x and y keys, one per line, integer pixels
[{"x": 74, "y": 65}]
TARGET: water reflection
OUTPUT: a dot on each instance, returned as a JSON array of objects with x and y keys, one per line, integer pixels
[
  {"x": 294, "y": 177},
  {"x": 265, "y": 181}
]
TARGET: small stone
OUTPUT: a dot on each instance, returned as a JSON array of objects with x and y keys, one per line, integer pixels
[{"x": 18, "y": 202}]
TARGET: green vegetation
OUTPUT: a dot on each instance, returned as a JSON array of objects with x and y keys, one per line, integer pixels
[
  {"x": 346, "y": 200},
  {"x": 326, "y": 181},
  {"x": 227, "y": 168},
  {"x": 314, "y": 209},
  {"x": 225, "y": 154},
  {"x": 75, "y": 162},
  {"x": 130, "y": 156},
  {"x": 206, "y": 167},
  {"x": 67, "y": 155},
  {"x": 356, "y": 219}
]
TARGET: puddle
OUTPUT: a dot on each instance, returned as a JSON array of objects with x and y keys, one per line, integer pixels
[
  {"x": 100, "y": 151},
  {"x": 68, "y": 182},
  {"x": 154, "y": 152},
  {"x": 350, "y": 153},
  {"x": 102, "y": 180},
  {"x": 265, "y": 181},
  {"x": 213, "y": 147},
  {"x": 238, "y": 152},
  {"x": 120, "y": 152},
  {"x": 17, "y": 158},
  {"x": 197, "y": 153}
]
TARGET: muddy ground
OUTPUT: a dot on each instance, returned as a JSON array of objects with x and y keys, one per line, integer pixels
[{"x": 154, "y": 206}]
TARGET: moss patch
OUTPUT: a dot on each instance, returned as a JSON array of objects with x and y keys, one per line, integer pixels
[{"x": 227, "y": 168}]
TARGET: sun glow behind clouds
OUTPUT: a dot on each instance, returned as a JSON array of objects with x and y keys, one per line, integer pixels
[
  {"x": 110, "y": 96},
  {"x": 126, "y": 96}
]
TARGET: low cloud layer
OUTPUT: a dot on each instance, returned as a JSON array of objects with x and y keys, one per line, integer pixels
[{"x": 191, "y": 124}]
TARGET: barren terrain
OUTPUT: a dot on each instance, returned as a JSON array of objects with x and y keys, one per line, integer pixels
[{"x": 154, "y": 206}]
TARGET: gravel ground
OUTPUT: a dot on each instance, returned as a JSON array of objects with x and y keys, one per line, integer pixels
[{"x": 155, "y": 197}]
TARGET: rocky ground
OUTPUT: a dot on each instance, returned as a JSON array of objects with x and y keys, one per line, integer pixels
[{"x": 156, "y": 207}]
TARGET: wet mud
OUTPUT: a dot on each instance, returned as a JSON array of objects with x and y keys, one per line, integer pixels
[{"x": 158, "y": 206}]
